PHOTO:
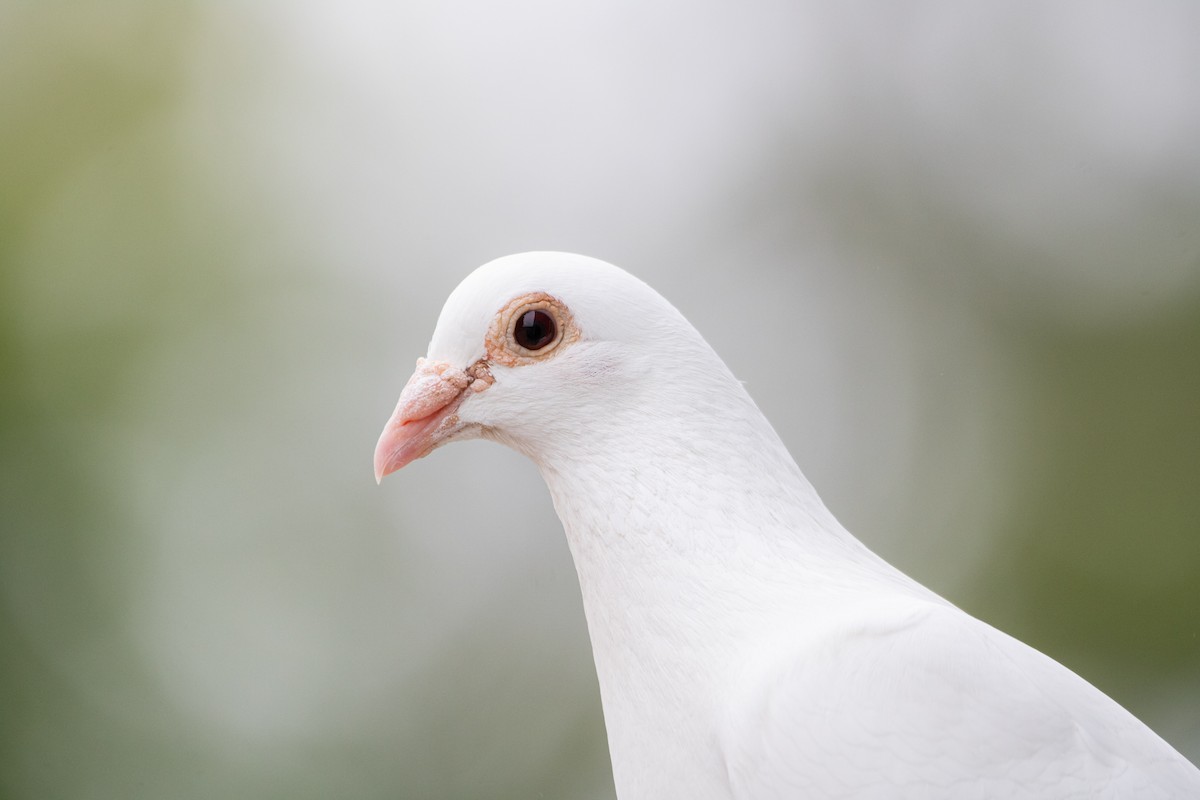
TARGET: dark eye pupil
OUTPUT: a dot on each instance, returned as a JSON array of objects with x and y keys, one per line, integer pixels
[{"x": 534, "y": 330}]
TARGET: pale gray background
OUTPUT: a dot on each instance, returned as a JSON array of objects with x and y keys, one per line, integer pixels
[{"x": 952, "y": 249}]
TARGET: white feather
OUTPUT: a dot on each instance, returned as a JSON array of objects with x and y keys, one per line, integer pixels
[{"x": 746, "y": 645}]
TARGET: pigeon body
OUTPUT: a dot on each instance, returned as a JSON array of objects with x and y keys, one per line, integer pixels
[{"x": 747, "y": 646}]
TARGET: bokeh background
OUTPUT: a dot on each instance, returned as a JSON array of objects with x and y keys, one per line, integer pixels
[{"x": 953, "y": 250}]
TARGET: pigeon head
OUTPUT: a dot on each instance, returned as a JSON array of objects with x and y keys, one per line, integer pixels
[{"x": 532, "y": 349}]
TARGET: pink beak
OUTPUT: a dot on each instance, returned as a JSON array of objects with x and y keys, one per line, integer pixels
[{"x": 424, "y": 415}]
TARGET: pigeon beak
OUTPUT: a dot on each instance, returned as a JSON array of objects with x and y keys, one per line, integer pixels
[{"x": 424, "y": 415}]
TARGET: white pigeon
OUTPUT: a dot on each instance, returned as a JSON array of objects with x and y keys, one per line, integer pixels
[{"x": 747, "y": 646}]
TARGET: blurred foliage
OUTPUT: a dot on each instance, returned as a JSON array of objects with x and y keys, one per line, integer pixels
[
  {"x": 1102, "y": 555},
  {"x": 82, "y": 86}
]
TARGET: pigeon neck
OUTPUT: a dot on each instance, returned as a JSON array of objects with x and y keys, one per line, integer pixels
[
  {"x": 702, "y": 498},
  {"x": 692, "y": 534},
  {"x": 689, "y": 476}
]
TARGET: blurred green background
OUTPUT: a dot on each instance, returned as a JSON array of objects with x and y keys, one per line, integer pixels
[{"x": 954, "y": 251}]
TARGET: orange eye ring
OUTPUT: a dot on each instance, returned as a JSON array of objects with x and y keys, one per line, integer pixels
[{"x": 530, "y": 328}]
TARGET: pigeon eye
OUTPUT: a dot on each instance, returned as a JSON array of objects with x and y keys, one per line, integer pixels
[
  {"x": 531, "y": 328},
  {"x": 534, "y": 330}
]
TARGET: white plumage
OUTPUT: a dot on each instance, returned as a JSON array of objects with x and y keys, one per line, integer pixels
[{"x": 746, "y": 645}]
